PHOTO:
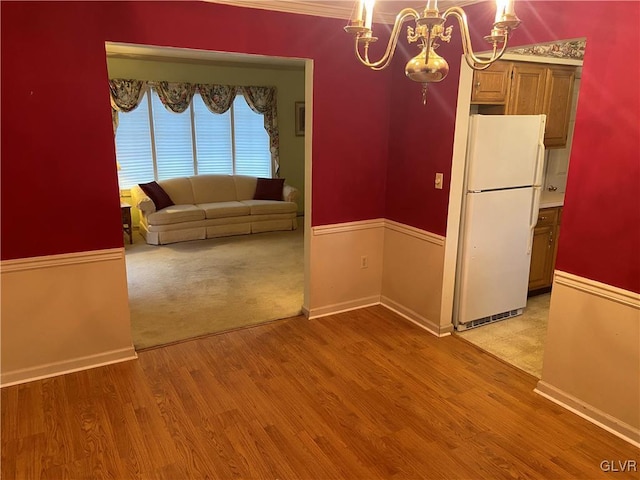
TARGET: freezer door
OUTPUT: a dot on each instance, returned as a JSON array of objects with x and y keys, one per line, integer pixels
[
  {"x": 495, "y": 257},
  {"x": 505, "y": 151}
]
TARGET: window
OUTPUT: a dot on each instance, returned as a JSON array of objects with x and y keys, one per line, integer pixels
[{"x": 153, "y": 143}]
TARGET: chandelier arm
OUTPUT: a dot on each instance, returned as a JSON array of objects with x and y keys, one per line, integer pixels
[
  {"x": 484, "y": 64},
  {"x": 402, "y": 16},
  {"x": 472, "y": 60}
]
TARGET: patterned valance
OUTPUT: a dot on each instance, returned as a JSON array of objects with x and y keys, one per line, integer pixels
[
  {"x": 126, "y": 95},
  {"x": 217, "y": 98},
  {"x": 569, "y": 49},
  {"x": 176, "y": 97}
]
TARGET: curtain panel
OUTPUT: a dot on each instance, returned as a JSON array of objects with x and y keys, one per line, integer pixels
[
  {"x": 263, "y": 100},
  {"x": 126, "y": 95}
]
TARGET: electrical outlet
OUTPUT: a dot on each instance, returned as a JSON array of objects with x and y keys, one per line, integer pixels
[
  {"x": 364, "y": 262},
  {"x": 439, "y": 180}
]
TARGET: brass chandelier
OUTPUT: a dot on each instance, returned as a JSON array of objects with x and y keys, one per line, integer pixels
[{"x": 429, "y": 67}]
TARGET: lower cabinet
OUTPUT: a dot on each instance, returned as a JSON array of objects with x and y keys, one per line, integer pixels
[{"x": 544, "y": 248}]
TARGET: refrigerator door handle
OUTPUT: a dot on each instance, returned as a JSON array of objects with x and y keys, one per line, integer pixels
[
  {"x": 537, "y": 177},
  {"x": 533, "y": 216}
]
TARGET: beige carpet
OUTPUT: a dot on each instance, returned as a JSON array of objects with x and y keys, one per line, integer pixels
[
  {"x": 519, "y": 340},
  {"x": 188, "y": 289}
]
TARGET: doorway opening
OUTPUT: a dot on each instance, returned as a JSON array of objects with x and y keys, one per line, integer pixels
[
  {"x": 520, "y": 339},
  {"x": 188, "y": 289}
]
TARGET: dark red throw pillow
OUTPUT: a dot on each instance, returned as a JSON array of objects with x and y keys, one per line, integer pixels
[
  {"x": 156, "y": 193},
  {"x": 269, "y": 189}
]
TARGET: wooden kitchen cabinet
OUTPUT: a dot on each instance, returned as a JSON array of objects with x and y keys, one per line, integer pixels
[
  {"x": 544, "y": 248},
  {"x": 558, "y": 100},
  {"x": 527, "y": 89},
  {"x": 523, "y": 88},
  {"x": 491, "y": 86}
]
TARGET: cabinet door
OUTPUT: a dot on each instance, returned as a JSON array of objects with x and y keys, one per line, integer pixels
[
  {"x": 491, "y": 86},
  {"x": 543, "y": 250},
  {"x": 541, "y": 254},
  {"x": 527, "y": 89},
  {"x": 558, "y": 100}
]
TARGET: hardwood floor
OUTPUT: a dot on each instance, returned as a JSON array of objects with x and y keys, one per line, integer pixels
[{"x": 359, "y": 395}]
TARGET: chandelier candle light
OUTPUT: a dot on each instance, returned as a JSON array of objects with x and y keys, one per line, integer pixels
[{"x": 429, "y": 67}]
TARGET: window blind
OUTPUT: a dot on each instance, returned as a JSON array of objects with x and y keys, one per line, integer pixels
[
  {"x": 153, "y": 143},
  {"x": 250, "y": 139},
  {"x": 172, "y": 137},
  {"x": 213, "y": 139},
  {"x": 133, "y": 146}
]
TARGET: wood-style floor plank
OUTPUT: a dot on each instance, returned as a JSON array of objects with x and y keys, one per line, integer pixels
[{"x": 359, "y": 395}]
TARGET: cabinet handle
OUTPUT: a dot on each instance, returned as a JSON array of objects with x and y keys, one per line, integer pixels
[{"x": 477, "y": 84}]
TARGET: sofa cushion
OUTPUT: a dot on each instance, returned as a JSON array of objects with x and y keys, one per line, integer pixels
[
  {"x": 245, "y": 186},
  {"x": 176, "y": 214},
  {"x": 269, "y": 189},
  {"x": 213, "y": 188},
  {"x": 224, "y": 209},
  {"x": 156, "y": 193},
  {"x": 262, "y": 207},
  {"x": 179, "y": 189}
]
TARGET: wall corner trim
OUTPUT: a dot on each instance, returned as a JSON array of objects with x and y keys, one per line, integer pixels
[
  {"x": 592, "y": 287},
  {"x": 597, "y": 417},
  {"x": 380, "y": 223},
  {"x": 335, "y": 309},
  {"x": 415, "y": 232},
  {"x": 417, "y": 319}
]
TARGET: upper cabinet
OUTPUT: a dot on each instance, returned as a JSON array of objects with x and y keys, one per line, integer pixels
[
  {"x": 491, "y": 86},
  {"x": 521, "y": 88},
  {"x": 558, "y": 98},
  {"x": 527, "y": 89}
]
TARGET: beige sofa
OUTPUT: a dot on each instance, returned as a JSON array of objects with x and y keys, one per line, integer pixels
[{"x": 208, "y": 206}]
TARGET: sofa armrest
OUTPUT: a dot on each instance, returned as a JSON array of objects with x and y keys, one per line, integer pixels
[
  {"x": 141, "y": 201},
  {"x": 290, "y": 194}
]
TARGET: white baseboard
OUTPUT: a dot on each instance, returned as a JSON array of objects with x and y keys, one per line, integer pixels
[
  {"x": 342, "y": 307},
  {"x": 590, "y": 413},
  {"x": 68, "y": 366},
  {"x": 417, "y": 319}
]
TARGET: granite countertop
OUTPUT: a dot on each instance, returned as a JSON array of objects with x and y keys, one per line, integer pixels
[{"x": 551, "y": 199}]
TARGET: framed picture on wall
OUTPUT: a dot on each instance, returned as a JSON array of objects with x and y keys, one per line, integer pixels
[{"x": 299, "y": 115}]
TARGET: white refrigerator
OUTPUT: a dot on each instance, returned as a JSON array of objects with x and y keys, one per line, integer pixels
[{"x": 504, "y": 168}]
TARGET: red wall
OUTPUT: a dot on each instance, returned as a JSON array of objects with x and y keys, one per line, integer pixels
[
  {"x": 421, "y": 143},
  {"x": 59, "y": 183},
  {"x": 600, "y": 235},
  {"x": 59, "y": 189}
]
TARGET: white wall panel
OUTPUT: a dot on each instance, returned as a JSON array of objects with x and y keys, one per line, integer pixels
[{"x": 62, "y": 313}]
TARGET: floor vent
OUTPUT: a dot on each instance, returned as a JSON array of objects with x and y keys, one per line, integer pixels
[{"x": 485, "y": 320}]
